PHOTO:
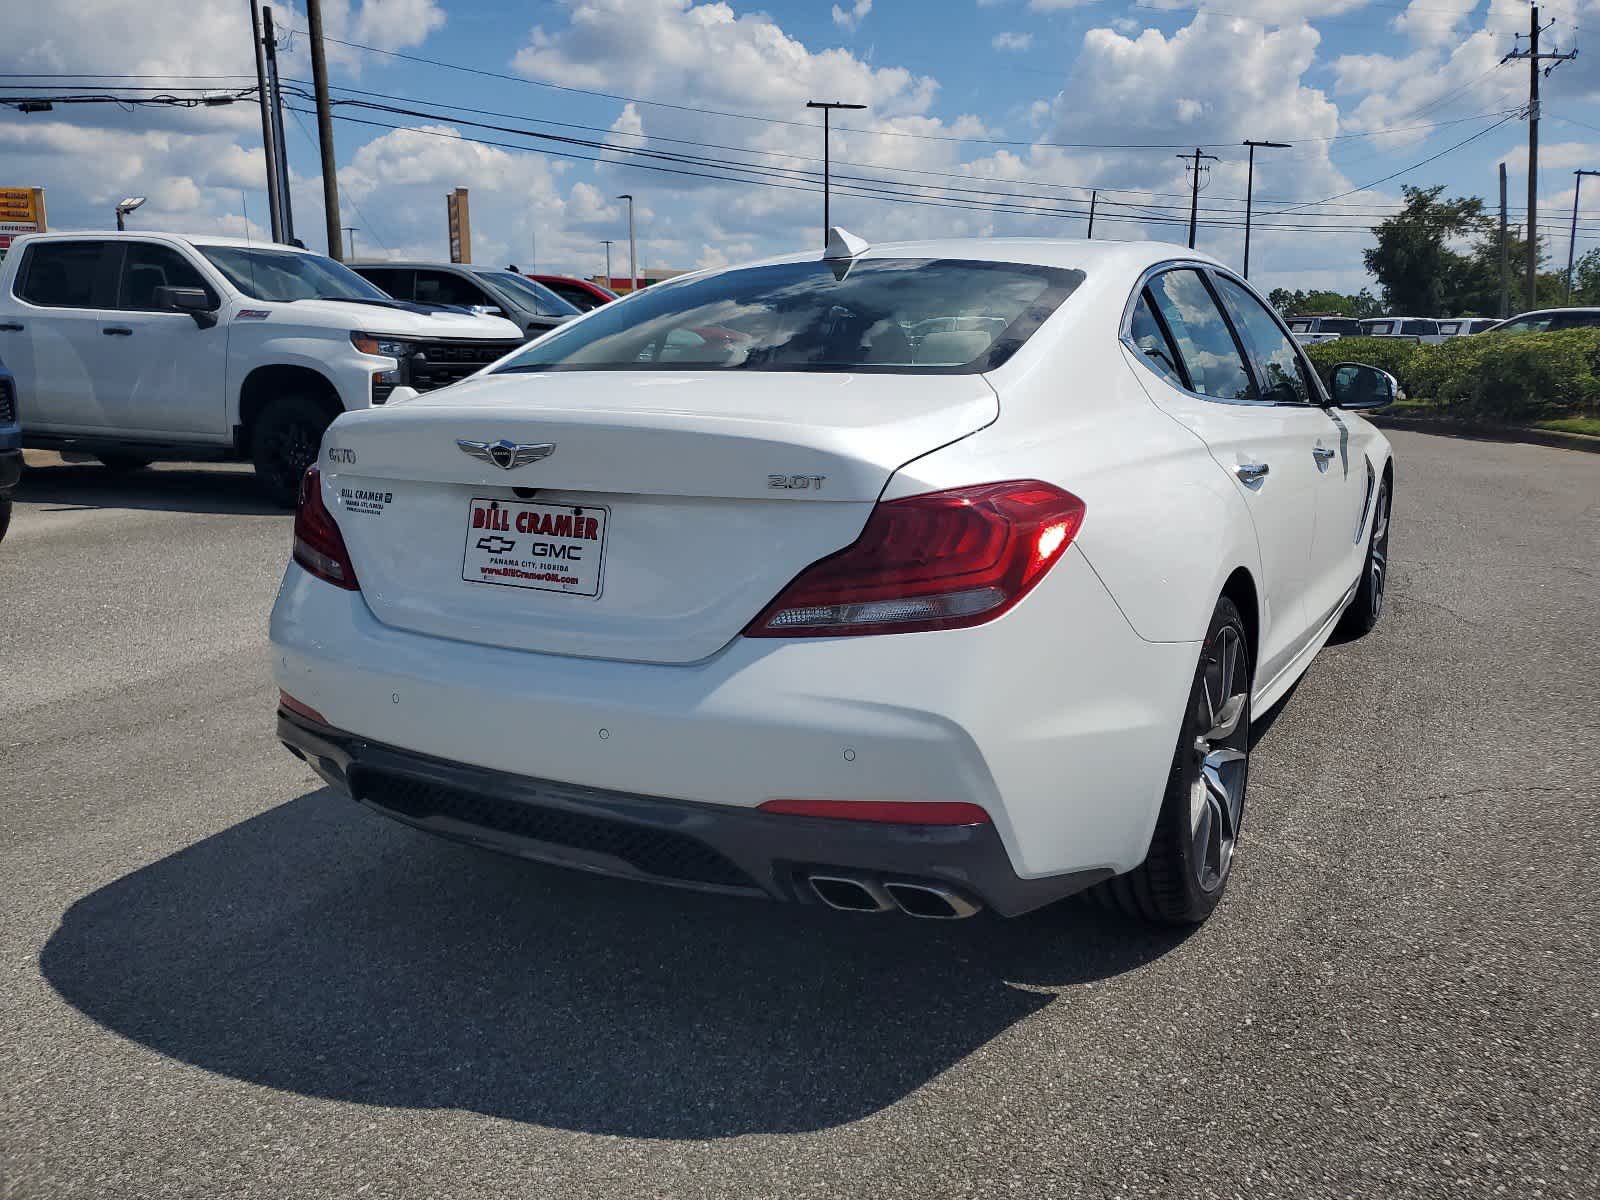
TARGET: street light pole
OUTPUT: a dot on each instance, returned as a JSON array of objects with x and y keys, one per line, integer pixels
[
  {"x": 1249, "y": 194},
  {"x": 1572, "y": 239},
  {"x": 827, "y": 107},
  {"x": 269, "y": 143},
  {"x": 633, "y": 255},
  {"x": 606, "y": 242}
]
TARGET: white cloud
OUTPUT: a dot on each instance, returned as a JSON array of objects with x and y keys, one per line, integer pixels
[
  {"x": 1046, "y": 6},
  {"x": 1012, "y": 41},
  {"x": 1433, "y": 22},
  {"x": 851, "y": 18}
]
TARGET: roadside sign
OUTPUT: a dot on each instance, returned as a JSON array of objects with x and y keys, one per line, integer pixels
[
  {"x": 21, "y": 211},
  {"x": 455, "y": 204}
]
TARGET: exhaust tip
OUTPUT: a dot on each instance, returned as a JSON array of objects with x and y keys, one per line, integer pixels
[
  {"x": 849, "y": 895},
  {"x": 931, "y": 901}
]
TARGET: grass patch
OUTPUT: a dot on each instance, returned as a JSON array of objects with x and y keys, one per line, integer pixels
[{"x": 1588, "y": 425}]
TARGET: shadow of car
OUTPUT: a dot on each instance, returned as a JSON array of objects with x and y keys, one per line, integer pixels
[{"x": 318, "y": 950}]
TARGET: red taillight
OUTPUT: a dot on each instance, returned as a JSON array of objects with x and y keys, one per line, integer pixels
[
  {"x": 897, "y": 812},
  {"x": 944, "y": 560},
  {"x": 318, "y": 544},
  {"x": 305, "y": 710}
]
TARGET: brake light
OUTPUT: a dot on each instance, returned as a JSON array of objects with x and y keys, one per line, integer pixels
[
  {"x": 318, "y": 545},
  {"x": 897, "y": 812},
  {"x": 944, "y": 560}
]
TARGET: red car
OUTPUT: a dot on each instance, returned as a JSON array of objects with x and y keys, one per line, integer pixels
[{"x": 579, "y": 293}]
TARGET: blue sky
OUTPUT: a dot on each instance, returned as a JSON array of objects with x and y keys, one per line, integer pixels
[{"x": 985, "y": 118}]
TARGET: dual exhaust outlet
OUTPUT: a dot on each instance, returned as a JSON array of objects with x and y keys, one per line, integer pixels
[{"x": 862, "y": 893}]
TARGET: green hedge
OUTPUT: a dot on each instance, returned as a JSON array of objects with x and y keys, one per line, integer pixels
[{"x": 1511, "y": 377}]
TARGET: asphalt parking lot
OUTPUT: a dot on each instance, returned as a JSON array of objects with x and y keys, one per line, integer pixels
[{"x": 219, "y": 979}]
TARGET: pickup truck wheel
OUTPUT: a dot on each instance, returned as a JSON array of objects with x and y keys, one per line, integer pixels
[
  {"x": 124, "y": 462},
  {"x": 287, "y": 438}
]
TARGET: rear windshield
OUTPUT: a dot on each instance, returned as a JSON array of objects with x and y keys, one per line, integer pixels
[{"x": 909, "y": 316}]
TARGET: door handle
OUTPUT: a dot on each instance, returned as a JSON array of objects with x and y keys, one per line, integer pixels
[
  {"x": 1322, "y": 454},
  {"x": 1251, "y": 474},
  {"x": 117, "y": 331},
  {"x": 11, "y": 327}
]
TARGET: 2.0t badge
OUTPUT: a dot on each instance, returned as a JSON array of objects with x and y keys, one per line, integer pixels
[{"x": 507, "y": 455}]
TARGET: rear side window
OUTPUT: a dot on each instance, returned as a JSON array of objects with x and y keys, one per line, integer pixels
[
  {"x": 1302, "y": 326},
  {"x": 1422, "y": 327},
  {"x": 1380, "y": 328},
  {"x": 1449, "y": 328},
  {"x": 1153, "y": 343},
  {"x": 1574, "y": 320},
  {"x": 1346, "y": 326},
  {"x": 63, "y": 275},
  {"x": 1278, "y": 366},
  {"x": 441, "y": 287},
  {"x": 901, "y": 315},
  {"x": 1204, "y": 341},
  {"x": 147, "y": 266},
  {"x": 396, "y": 282}
]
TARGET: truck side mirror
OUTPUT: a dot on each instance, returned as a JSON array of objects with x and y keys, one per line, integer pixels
[{"x": 193, "y": 301}]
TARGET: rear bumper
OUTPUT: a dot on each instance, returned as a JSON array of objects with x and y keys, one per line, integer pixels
[{"x": 706, "y": 847}]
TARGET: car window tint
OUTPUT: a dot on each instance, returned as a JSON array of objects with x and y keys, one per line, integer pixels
[
  {"x": 1348, "y": 326},
  {"x": 1574, "y": 320},
  {"x": 1278, "y": 364},
  {"x": 1153, "y": 343},
  {"x": 1449, "y": 328},
  {"x": 581, "y": 300},
  {"x": 1380, "y": 328},
  {"x": 61, "y": 274},
  {"x": 147, "y": 266},
  {"x": 1423, "y": 327},
  {"x": 1205, "y": 344},
  {"x": 396, "y": 282},
  {"x": 441, "y": 287},
  {"x": 915, "y": 316},
  {"x": 1303, "y": 326}
]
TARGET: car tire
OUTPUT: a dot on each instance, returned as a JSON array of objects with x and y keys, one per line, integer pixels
[
  {"x": 5, "y": 518},
  {"x": 1367, "y": 606},
  {"x": 286, "y": 440},
  {"x": 122, "y": 463},
  {"x": 1186, "y": 869}
]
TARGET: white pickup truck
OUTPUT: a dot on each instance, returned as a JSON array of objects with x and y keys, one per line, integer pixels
[{"x": 133, "y": 347}]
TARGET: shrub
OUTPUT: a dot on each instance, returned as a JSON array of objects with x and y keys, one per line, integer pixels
[{"x": 1512, "y": 377}]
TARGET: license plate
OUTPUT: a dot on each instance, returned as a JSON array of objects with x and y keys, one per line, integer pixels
[{"x": 546, "y": 547}]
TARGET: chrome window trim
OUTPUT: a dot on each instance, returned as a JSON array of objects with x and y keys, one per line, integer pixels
[{"x": 1125, "y": 336}]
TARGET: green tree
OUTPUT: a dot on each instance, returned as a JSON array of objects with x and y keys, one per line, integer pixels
[{"x": 1412, "y": 261}]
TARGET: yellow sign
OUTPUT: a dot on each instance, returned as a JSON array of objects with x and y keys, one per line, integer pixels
[{"x": 22, "y": 210}]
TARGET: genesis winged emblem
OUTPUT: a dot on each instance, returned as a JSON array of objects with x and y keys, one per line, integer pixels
[{"x": 507, "y": 455}]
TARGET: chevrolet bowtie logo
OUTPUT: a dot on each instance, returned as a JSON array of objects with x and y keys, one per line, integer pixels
[{"x": 495, "y": 544}]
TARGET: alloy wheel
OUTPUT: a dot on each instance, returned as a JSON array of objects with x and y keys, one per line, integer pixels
[
  {"x": 1222, "y": 758},
  {"x": 1378, "y": 560}
]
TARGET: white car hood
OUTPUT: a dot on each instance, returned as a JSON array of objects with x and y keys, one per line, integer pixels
[{"x": 376, "y": 318}]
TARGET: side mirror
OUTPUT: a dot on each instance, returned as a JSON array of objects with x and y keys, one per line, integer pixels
[
  {"x": 193, "y": 301},
  {"x": 488, "y": 310},
  {"x": 1357, "y": 386}
]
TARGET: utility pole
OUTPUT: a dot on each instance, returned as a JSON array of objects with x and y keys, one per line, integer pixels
[
  {"x": 607, "y": 244},
  {"x": 827, "y": 107},
  {"x": 1534, "y": 59},
  {"x": 1249, "y": 196},
  {"x": 350, "y": 239},
  {"x": 269, "y": 144},
  {"x": 633, "y": 255},
  {"x": 330, "y": 171},
  {"x": 1194, "y": 193},
  {"x": 1094, "y": 197},
  {"x": 1572, "y": 239},
  {"x": 270, "y": 43},
  {"x": 1505, "y": 252}
]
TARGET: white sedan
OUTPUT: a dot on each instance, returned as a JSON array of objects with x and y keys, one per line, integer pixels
[{"x": 924, "y": 577}]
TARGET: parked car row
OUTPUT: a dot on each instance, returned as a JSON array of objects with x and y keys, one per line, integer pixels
[
  {"x": 133, "y": 347},
  {"x": 1313, "y": 328}
]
